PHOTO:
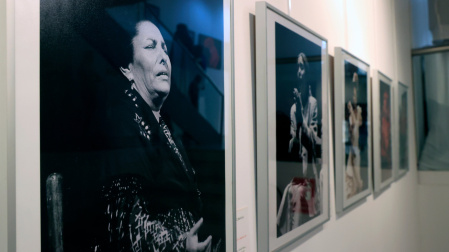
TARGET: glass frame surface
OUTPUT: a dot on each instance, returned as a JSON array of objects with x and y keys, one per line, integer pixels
[
  {"x": 342, "y": 134},
  {"x": 403, "y": 138},
  {"x": 268, "y": 19},
  {"x": 28, "y": 142},
  {"x": 381, "y": 81}
]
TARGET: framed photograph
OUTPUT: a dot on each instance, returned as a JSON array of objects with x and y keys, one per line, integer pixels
[
  {"x": 352, "y": 110},
  {"x": 402, "y": 130},
  {"x": 382, "y": 131},
  {"x": 136, "y": 126},
  {"x": 292, "y": 129}
]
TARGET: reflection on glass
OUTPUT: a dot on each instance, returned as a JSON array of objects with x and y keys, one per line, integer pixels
[
  {"x": 196, "y": 58},
  {"x": 431, "y": 89}
]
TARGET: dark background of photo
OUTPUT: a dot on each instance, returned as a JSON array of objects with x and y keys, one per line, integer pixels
[
  {"x": 82, "y": 46},
  {"x": 288, "y": 46}
]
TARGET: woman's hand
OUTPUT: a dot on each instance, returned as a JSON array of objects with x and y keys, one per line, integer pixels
[{"x": 192, "y": 244}]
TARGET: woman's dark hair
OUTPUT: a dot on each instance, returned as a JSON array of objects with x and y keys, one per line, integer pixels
[{"x": 129, "y": 48}]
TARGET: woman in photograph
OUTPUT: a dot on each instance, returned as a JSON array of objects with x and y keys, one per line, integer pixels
[
  {"x": 152, "y": 199},
  {"x": 304, "y": 118},
  {"x": 354, "y": 182},
  {"x": 300, "y": 201}
]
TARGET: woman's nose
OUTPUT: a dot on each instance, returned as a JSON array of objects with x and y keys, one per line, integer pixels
[{"x": 164, "y": 57}]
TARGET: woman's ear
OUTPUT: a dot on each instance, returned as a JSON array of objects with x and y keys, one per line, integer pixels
[{"x": 127, "y": 72}]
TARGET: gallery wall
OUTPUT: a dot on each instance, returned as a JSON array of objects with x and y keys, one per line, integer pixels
[
  {"x": 27, "y": 188},
  {"x": 378, "y": 32},
  {"x": 3, "y": 173}
]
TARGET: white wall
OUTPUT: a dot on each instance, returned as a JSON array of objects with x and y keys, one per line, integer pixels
[
  {"x": 377, "y": 31},
  {"x": 3, "y": 163},
  {"x": 433, "y": 201},
  {"x": 26, "y": 79}
]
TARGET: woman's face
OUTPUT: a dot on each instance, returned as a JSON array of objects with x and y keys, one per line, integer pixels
[
  {"x": 151, "y": 66},
  {"x": 301, "y": 67}
]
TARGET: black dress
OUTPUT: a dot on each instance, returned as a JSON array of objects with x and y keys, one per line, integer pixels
[{"x": 150, "y": 195}]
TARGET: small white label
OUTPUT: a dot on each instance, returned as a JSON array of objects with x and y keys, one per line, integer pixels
[{"x": 242, "y": 230}]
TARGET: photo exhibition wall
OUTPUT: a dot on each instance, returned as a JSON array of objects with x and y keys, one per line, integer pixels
[{"x": 209, "y": 125}]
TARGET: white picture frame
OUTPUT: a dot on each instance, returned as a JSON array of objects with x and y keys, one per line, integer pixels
[
  {"x": 353, "y": 161},
  {"x": 278, "y": 165},
  {"x": 26, "y": 36}
]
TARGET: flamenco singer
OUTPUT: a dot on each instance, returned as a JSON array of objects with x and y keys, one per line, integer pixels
[{"x": 153, "y": 202}]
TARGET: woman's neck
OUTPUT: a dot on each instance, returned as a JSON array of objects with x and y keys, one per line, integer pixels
[{"x": 146, "y": 97}]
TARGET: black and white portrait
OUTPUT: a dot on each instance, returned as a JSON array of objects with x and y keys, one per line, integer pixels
[
  {"x": 298, "y": 129},
  {"x": 132, "y": 126},
  {"x": 292, "y": 129}
]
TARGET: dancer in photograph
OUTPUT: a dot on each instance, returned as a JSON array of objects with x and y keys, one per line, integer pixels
[
  {"x": 354, "y": 182},
  {"x": 304, "y": 131}
]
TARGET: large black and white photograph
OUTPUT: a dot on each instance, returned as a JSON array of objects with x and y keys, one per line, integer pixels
[
  {"x": 382, "y": 131},
  {"x": 353, "y": 134},
  {"x": 135, "y": 151},
  {"x": 292, "y": 149},
  {"x": 298, "y": 129}
]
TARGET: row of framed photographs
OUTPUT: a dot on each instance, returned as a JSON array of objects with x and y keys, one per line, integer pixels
[
  {"x": 361, "y": 138},
  {"x": 293, "y": 129},
  {"x": 100, "y": 160}
]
